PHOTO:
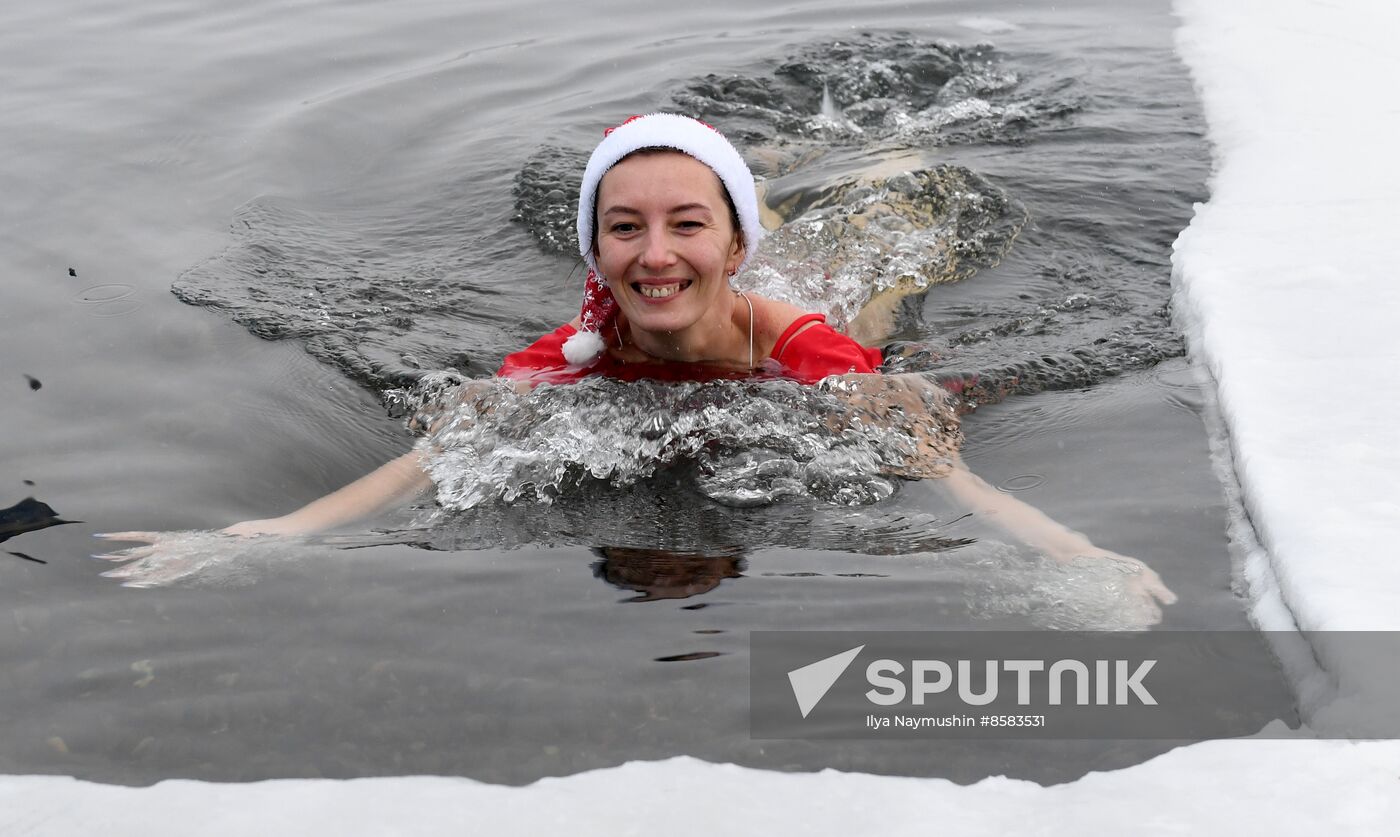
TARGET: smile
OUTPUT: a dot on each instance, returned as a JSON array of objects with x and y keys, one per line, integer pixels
[{"x": 660, "y": 291}]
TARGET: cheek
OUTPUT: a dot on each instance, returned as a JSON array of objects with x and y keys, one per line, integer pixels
[{"x": 609, "y": 256}]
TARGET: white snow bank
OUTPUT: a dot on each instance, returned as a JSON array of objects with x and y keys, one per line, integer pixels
[
  {"x": 1289, "y": 281},
  {"x": 1286, "y": 282},
  {"x": 1219, "y": 787},
  {"x": 1290, "y": 297}
]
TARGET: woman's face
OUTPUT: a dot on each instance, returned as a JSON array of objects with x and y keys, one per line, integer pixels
[{"x": 666, "y": 242}]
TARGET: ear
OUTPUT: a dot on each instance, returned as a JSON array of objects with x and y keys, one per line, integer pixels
[{"x": 737, "y": 250}]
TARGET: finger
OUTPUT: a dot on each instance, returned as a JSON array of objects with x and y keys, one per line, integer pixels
[
  {"x": 131, "y": 572},
  {"x": 143, "y": 537},
  {"x": 1146, "y": 602},
  {"x": 144, "y": 576},
  {"x": 144, "y": 582},
  {"x": 127, "y": 554},
  {"x": 1158, "y": 588}
]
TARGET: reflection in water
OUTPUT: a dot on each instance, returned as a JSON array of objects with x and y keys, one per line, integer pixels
[{"x": 657, "y": 574}]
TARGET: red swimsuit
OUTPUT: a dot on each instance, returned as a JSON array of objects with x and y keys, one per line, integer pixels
[{"x": 807, "y": 357}]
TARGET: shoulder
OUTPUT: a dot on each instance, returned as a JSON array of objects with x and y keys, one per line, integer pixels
[
  {"x": 815, "y": 352},
  {"x": 772, "y": 319},
  {"x": 545, "y": 354}
]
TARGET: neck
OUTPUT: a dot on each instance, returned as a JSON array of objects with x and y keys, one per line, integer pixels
[{"x": 722, "y": 340}]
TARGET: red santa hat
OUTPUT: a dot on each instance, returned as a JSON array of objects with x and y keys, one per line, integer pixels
[{"x": 656, "y": 130}]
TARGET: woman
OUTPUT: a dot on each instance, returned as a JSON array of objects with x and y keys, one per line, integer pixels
[{"x": 667, "y": 215}]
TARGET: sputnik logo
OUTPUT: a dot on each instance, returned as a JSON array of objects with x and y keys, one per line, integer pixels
[{"x": 811, "y": 682}]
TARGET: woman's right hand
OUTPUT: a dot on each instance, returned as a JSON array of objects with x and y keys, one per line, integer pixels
[
  {"x": 162, "y": 558},
  {"x": 196, "y": 557}
]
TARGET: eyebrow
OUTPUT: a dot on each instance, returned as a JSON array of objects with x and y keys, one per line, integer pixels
[{"x": 627, "y": 210}]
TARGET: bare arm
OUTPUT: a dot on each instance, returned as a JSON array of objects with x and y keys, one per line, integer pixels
[
  {"x": 393, "y": 483},
  {"x": 1017, "y": 518},
  {"x": 928, "y": 418}
]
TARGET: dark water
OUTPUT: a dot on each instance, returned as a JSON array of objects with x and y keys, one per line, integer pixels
[{"x": 348, "y": 179}]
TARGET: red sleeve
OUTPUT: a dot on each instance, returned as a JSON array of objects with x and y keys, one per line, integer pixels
[
  {"x": 820, "y": 351},
  {"x": 542, "y": 360}
]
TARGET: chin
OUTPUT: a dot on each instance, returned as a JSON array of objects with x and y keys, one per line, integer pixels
[
  {"x": 668, "y": 321},
  {"x": 676, "y": 316}
]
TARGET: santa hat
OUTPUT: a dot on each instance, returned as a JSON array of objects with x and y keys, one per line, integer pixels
[{"x": 656, "y": 130}]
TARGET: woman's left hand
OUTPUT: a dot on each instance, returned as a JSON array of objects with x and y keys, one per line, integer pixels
[{"x": 1142, "y": 581}]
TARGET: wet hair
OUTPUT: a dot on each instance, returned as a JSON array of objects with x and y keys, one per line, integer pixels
[{"x": 651, "y": 151}]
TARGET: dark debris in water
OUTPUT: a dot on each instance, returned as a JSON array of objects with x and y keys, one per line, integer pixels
[
  {"x": 689, "y": 657},
  {"x": 28, "y": 515},
  {"x": 34, "y": 383}
]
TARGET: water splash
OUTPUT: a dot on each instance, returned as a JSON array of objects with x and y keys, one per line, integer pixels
[
  {"x": 740, "y": 444},
  {"x": 891, "y": 87},
  {"x": 856, "y": 239},
  {"x": 829, "y": 108}
]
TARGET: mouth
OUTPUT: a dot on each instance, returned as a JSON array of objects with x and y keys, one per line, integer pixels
[{"x": 660, "y": 291}]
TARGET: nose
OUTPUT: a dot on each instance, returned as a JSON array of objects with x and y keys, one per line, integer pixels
[{"x": 657, "y": 254}]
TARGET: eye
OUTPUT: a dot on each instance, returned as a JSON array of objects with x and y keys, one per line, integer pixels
[
  {"x": 623, "y": 227},
  {"x": 690, "y": 225}
]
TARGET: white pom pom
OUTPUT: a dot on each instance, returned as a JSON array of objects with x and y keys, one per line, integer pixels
[{"x": 582, "y": 348}]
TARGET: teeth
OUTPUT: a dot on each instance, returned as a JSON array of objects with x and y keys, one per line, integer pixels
[{"x": 658, "y": 291}]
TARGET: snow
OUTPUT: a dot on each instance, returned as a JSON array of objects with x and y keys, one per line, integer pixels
[
  {"x": 1287, "y": 294},
  {"x": 1276, "y": 787}
]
